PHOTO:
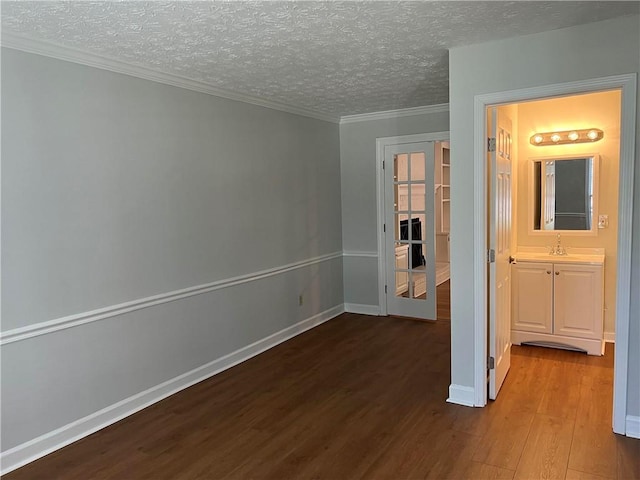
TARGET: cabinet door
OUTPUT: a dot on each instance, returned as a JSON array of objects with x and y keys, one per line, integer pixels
[
  {"x": 532, "y": 305},
  {"x": 578, "y": 310}
]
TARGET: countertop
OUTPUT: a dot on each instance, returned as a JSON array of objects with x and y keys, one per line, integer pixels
[{"x": 585, "y": 256}]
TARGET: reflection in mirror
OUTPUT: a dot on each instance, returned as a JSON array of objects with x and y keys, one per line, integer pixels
[{"x": 563, "y": 193}]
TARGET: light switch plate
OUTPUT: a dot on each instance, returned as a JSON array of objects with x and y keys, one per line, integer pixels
[{"x": 603, "y": 221}]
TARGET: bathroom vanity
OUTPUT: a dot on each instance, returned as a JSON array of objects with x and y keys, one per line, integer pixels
[{"x": 558, "y": 300}]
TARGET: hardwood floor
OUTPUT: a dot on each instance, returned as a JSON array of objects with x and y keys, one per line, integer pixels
[{"x": 364, "y": 397}]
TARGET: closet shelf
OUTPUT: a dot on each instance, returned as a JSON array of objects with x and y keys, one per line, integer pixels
[{"x": 442, "y": 177}]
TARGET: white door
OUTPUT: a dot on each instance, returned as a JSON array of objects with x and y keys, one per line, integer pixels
[
  {"x": 500, "y": 244},
  {"x": 409, "y": 230}
]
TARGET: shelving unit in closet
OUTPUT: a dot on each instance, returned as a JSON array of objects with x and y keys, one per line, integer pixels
[{"x": 442, "y": 207}]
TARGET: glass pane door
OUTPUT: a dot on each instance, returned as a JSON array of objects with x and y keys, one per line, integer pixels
[{"x": 410, "y": 238}]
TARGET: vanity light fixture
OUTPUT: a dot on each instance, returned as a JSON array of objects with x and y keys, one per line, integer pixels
[{"x": 566, "y": 137}]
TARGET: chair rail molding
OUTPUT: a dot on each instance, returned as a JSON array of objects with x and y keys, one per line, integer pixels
[
  {"x": 360, "y": 254},
  {"x": 42, "y": 328}
]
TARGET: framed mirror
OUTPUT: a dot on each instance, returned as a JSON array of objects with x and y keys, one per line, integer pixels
[{"x": 563, "y": 194}]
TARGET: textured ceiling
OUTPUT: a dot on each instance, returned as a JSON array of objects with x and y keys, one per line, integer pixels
[{"x": 336, "y": 58}]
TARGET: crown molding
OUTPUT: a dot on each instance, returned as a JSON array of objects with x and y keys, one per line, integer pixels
[
  {"x": 61, "y": 52},
  {"x": 392, "y": 114}
]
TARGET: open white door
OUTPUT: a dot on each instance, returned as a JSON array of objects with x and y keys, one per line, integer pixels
[
  {"x": 410, "y": 229},
  {"x": 500, "y": 250}
]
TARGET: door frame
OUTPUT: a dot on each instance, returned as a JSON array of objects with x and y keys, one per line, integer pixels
[
  {"x": 627, "y": 84},
  {"x": 381, "y": 143}
]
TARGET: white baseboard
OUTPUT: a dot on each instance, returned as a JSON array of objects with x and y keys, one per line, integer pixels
[
  {"x": 461, "y": 395},
  {"x": 609, "y": 337},
  {"x": 56, "y": 439},
  {"x": 633, "y": 426},
  {"x": 362, "y": 309}
]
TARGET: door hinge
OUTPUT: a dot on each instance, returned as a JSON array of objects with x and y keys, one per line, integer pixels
[
  {"x": 491, "y": 256},
  {"x": 383, "y": 164},
  {"x": 384, "y": 227},
  {"x": 492, "y": 363},
  {"x": 385, "y": 289},
  {"x": 491, "y": 144}
]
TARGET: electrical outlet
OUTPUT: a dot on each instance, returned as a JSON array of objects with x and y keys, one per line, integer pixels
[
  {"x": 300, "y": 300},
  {"x": 603, "y": 221}
]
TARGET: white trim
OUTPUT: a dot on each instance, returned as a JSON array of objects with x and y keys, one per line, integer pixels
[
  {"x": 381, "y": 143},
  {"x": 480, "y": 273},
  {"x": 382, "y": 266},
  {"x": 633, "y": 426},
  {"x": 609, "y": 337},
  {"x": 69, "y": 54},
  {"x": 623, "y": 261},
  {"x": 362, "y": 309},
  {"x": 627, "y": 83},
  {"x": 461, "y": 395},
  {"x": 393, "y": 114},
  {"x": 360, "y": 254},
  {"x": 590, "y": 345},
  {"x": 56, "y": 439},
  {"x": 50, "y": 326}
]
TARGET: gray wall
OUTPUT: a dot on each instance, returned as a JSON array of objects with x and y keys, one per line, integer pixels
[
  {"x": 577, "y": 53},
  {"x": 359, "y": 215},
  {"x": 116, "y": 188}
]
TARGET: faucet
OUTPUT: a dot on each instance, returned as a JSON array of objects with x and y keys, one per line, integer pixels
[{"x": 558, "y": 249}]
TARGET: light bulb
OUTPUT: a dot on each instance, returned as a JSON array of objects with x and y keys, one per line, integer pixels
[
  {"x": 592, "y": 135},
  {"x": 538, "y": 138},
  {"x": 555, "y": 137},
  {"x": 573, "y": 136}
]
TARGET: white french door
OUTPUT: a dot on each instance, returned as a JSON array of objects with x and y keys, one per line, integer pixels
[
  {"x": 500, "y": 249},
  {"x": 410, "y": 229}
]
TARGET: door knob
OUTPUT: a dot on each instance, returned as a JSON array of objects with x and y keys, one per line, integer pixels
[
  {"x": 557, "y": 273},
  {"x": 512, "y": 259},
  {"x": 548, "y": 272}
]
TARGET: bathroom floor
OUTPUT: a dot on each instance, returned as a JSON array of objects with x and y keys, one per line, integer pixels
[{"x": 555, "y": 415}]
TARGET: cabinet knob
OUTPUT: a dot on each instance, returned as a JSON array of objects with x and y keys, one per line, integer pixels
[
  {"x": 557, "y": 273},
  {"x": 548, "y": 272}
]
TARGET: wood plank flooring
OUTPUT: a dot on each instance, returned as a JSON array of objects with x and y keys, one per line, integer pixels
[{"x": 364, "y": 397}]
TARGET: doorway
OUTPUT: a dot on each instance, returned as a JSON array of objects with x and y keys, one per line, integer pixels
[
  {"x": 560, "y": 189},
  {"x": 410, "y": 223},
  {"x": 626, "y": 85}
]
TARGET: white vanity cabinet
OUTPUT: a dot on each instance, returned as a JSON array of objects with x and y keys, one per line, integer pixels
[{"x": 558, "y": 302}]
